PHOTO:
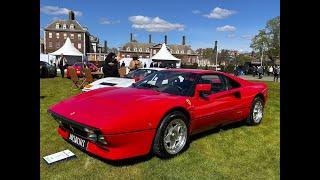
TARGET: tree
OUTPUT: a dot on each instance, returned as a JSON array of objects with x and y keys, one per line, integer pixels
[{"x": 268, "y": 40}]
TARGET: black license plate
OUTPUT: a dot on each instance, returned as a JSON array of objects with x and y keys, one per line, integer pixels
[{"x": 82, "y": 143}]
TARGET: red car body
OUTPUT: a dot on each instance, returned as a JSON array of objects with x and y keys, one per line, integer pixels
[
  {"x": 128, "y": 118},
  {"x": 79, "y": 67}
]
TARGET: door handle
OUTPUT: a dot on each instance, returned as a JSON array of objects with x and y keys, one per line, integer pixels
[{"x": 237, "y": 94}]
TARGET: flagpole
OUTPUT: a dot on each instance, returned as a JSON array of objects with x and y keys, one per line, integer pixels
[{"x": 216, "y": 46}]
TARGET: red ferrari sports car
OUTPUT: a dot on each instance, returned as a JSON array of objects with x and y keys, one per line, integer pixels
[{"x": 157, "y": 114}]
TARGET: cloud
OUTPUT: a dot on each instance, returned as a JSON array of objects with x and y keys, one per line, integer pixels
[
  {"x": 196, "y": 12},
  {"x": 155, "y": 24},
  {"x": 219, "y": 13},
  {"x": 106, "y": 21},
  {"x": 247, "y": 37},
  {"x": 226, "y": 28},
  {"x": 231, "y": 36},
  {"x": 55, "y": 10}
]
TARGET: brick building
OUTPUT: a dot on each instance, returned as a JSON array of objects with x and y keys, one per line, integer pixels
[
  {"x": 56, "y": 33},
  {"x": 149, "y": 49}
]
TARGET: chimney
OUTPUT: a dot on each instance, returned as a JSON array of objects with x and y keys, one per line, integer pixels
[
  {"x": 149, "y": 38},
  {"x": 183, "y": 40},
  {"x": 131, "y": 39},
  {"x": 215, "y": 46},
  {"x": 71, "y": 15},
  {"x": 105, "y": 47},
  {"x": 165, "y": 39}
]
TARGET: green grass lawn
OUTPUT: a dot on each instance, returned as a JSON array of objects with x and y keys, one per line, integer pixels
[{"x": 234, "y": 152}]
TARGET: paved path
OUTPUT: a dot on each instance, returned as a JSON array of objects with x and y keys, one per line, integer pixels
[{"x": 250, "y": 77}]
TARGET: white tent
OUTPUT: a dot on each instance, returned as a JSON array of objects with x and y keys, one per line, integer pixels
[
  {"x": 128, "y": 60},
  {"x": 164, "y": 55},
  {"x": 67, "y": 49},
  {"x": 47, "y": 58}
]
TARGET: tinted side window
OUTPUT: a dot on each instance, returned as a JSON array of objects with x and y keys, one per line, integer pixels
[
  {"x": 231, "y": 84},
  {"x": 216, "y": 81}
]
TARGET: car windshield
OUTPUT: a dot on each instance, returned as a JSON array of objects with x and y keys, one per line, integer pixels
[
  {"x": 171, "y": 82},
  {"x": 141, "y": 73}
]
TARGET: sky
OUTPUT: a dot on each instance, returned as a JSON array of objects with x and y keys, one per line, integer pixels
[{"x": 230, "y": 22}]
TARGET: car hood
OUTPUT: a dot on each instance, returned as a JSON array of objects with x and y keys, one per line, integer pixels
[
  {"x": 113, "y": 81},
  {"x": 115, "y": 110}
]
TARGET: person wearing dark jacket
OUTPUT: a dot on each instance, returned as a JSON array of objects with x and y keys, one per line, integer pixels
[{"x": 110, "y": 66}]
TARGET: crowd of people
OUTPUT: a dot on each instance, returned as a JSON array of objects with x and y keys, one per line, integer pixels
[{"x": 267, "y": 71}]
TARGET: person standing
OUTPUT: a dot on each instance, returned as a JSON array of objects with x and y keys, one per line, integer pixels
[
  {"x": 260, "y": 72},
  {"x": 276, "y": 73},
  {"x": 135, "y": 63},
  {"x": 270, "y": 71},
  {"x": 145, "y": 65},
  {"x": 110, "y": 66},
  {"x": 62, "y": 63}
]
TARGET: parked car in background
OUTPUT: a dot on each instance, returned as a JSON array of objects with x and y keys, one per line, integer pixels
[
  {"x": 47, "y": 70},
  {"x": 126, "y": 81},
  {"x": 79, "y": 67},
  {"x": 157, "y": 114}
]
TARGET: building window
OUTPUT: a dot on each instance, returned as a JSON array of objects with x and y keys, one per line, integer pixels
[
  {"x": 128, "y": 49},
  {"x": 79, "y": 36},
  {"x": 71, "y": 26},
  {"x": 72, "y": 36},
  {"x": 64, "y": 26},
  {"x": 147, "y": 50},
  {"x": 57, "y": 25},
  {"x": 135, "y": 49},
  {"x": 50, "y": 44},
  {"x": 57, "y": 35},
  {"x": 128, "y": 56},
  {"x": 177, "y": 51},
  {"x": 181, "y": 51},
  {"x": 50, "y": 35},
  {"x": 140, "y": 49},
  {"x": 79, "y": 45},
  {"x": 65, "y": 35},
  {"x": 189, "y": 52},
  {"x": 154, "y": 51},
  {"x": 58, "y": 45}
]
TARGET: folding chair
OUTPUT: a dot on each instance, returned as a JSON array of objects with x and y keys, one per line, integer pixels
[
  {"x": 75, "y": 79},
  {"x": 87, "y": 77}
]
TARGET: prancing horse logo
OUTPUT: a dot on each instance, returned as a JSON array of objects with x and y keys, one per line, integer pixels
[{"x": 72, "y": 113}]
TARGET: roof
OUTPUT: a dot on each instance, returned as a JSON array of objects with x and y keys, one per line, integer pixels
[
  {"x": 67, "y": 49},
  {"x": 164, "y": 54},
  {"x": 68, "y": 22}
]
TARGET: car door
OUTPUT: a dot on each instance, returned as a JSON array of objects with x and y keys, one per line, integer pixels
[{"x": 214, "y": 108}]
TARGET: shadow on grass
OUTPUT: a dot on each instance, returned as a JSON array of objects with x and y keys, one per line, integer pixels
[
  {"x": 150, "y": 155},
  {"x": 42, "y": 97}
]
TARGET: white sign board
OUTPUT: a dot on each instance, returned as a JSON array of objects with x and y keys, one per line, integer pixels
[{"x": 59, "y": 156}]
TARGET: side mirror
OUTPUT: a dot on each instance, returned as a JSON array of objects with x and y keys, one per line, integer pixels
[{"x": 203, "y": 88}]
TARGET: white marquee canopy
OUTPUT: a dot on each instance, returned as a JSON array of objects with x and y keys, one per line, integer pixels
[
  {"x": 67, "y": 49},
  {"x": 164, "y": 55}
]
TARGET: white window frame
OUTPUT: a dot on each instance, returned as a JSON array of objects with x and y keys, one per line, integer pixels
[
  {"x": 64, "y": 26},
  {"x": 50, "y": 34},
  {"x": 154, "y": 51},
  {"x": 135, "y": 49},
  {"x": 182, "y": 51},
  {"x": 128, "y": 48},
  {"x": 140, "y": 49},
  {"x": 177, "y": 51},
  {"x": 147, "y": 50},
  {"x": 79, "y": 36},
  {"x": 64, "y": 35},
  {"x": 71, "y": 26},
  {"x": 57, "y": 35},
  {"x": 57, "y": 25},
  {"x": 50, "y": 44},
  {"x": 79, "y": 45},
  {"x": 71, "y": 36}
]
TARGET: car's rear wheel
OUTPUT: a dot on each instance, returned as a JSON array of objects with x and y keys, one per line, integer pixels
[
  {"x": 172, "y": 136},
  {"x": 256, "y": 112}
]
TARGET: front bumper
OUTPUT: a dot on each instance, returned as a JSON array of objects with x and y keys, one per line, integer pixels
[{"x": 120, "y": 146}]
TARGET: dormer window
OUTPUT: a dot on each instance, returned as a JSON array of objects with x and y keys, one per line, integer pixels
[
  {"x": 177, "y": 51},
  {"x": 57, "y": 25},
  {"x": 64, "y": 26},
  {"x": 140, "y": 49},
  {"x": 128, "y": 48},
  {"x": 135, "y": 49},
  {"x": 147, "y": 50},
  {"x": 71, "y": 26},
  {"x": 181, "y": 51}
]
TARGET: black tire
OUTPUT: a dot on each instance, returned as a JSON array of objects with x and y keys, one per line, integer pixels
[
  {"x": 250, "y": 119},
  {"x": 44, "y": 72},
  {"x": 158, "y": 143}
]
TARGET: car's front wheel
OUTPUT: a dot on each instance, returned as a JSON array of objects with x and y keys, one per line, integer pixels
[
  {"x": 172, "y": 136},
  {"x": 256, "y": 112}
]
